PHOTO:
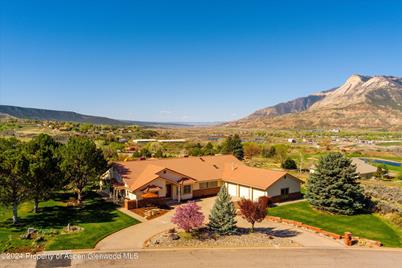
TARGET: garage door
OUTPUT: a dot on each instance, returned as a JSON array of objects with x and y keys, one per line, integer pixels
[
  {"x": 257, "y": 194},
  {"x": 244, "y": 192},
  {"x": 232, "y": 189}
]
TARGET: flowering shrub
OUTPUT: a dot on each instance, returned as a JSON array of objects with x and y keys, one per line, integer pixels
[{"x": 188, "y": 216}]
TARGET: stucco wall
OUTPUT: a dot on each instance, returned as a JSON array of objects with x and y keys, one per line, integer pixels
[
  {"x": 285, "y": 182},
  {"x": 158, "y": 182}
]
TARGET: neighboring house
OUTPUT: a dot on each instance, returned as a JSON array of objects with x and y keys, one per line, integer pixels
[
  {"x": 194, "y": 177},
  {"x": 365, "y": 170}
]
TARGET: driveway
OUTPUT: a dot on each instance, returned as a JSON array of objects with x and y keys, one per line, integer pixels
[{"x": 134, "y": 236}]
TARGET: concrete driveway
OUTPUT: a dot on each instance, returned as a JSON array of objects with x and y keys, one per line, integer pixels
[{"x": 134, "y": 236}]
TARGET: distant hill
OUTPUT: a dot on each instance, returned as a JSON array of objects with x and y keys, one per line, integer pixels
[
  {"x": 361, "y": 102},
  {"x": 53, "y": 115}
]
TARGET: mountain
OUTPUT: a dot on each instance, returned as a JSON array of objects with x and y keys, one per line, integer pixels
[
  {"x": 53, "y": 115},
  {"x": 361, "y": 102}
]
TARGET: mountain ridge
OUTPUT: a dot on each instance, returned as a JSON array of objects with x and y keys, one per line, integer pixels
[
  {"x": 69, "y": 116},
  {"x": 361, "y": 102}
]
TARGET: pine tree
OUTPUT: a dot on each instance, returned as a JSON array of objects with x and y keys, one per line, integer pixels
[
  {"x": 333, "y": 186},
  {"x": 222, "y": 218}
]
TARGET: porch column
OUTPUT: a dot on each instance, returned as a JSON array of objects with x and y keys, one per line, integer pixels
[{"x": 179, "y": 193}]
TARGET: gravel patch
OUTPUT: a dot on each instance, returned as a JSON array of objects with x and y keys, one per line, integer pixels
[{"x": 261, "y": 237}]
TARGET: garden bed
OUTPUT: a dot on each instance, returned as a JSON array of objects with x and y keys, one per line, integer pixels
[
  {"x": 149, "y": 213},
  {"x": 203, "y": 238}
]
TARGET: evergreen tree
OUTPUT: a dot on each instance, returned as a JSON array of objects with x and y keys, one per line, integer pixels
[
  {"x": 238, "y": 147},
  {"x": 333, "y": 186},
  {"x": 223, "y": 214},
  {"x": 233, "y": 145},
  {"x": 208, "y": 149}
]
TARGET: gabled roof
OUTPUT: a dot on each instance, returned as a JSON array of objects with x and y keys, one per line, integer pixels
[
  {"x": 249, "y": 176},
  {"x": 226, "y": 167},
  {"x": 362, "y": 167}
]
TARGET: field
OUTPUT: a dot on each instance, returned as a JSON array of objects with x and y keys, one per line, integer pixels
[
  {"x": 97, "y": 218},
  {"x": 370, "y": 226}
]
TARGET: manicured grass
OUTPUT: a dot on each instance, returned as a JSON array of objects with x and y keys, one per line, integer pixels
[
  {"x": 97, "y": 217},
  {"x": 370, "y": 226}
]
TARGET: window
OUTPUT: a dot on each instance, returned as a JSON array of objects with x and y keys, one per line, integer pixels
[
  {"x": 187, "y": 189},
  {"x": 285, "y": 191},
  {"x": 210, "y": 184},
  {"x": 203, "y": 185}
]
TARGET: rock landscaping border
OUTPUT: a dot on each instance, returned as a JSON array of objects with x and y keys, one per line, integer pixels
[{"x": 347, "y": 238}]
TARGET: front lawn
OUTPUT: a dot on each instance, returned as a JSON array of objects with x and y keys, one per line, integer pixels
[
  {"x": 97, "y": 218},
  {"x": 370, "y": 226}
]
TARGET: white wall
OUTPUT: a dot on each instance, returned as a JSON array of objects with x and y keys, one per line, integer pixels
[
  {"x": 244, "y": 192},
  {"x": 232, "y": 189},
  {"x": 285, "y": 182},
  {"x": 258, "y": 193},
  {"x": 158, "y": 182}
]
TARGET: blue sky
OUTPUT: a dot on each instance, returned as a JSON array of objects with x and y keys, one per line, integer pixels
[{"x": 189, "y": 60}]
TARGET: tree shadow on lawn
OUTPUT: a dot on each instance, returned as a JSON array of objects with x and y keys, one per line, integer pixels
[{"x": 93, "y": 210}]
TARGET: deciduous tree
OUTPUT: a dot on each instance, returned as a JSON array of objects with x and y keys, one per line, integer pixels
[
  {"x": 81, "y": 163},
  {"x": 253, "y": 211},
  {"x": 188, "y": 216},
  {"x": 13, "y": 174},
  {"x": 44, "y": 174}
]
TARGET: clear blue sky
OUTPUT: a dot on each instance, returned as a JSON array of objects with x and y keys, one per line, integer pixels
[{"x": 189, "y": 60}]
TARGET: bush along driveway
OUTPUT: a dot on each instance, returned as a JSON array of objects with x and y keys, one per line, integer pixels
[{"x": 95, "y": 220}]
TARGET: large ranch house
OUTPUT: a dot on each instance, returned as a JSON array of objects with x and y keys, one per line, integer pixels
[{"x": 194, "y": 177}]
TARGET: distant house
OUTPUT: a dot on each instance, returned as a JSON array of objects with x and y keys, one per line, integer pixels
[
  {"x": 172, "y": 141},
  {"x": 139, "y": 141},
  {"x": 365, "y": 170},
  {"x": 194, "y": 177}
]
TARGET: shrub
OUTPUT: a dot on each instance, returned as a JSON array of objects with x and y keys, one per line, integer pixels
[
  {"x": 289, "y": 164},
  {"x": 188, "y": 216},
  {"x": 334, "y": 186}
]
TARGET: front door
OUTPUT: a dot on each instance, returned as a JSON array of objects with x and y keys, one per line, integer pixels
[{"x": 169, "y": 190}]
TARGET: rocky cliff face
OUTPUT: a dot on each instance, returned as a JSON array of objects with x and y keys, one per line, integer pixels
[{"x": 361, "y": 102}]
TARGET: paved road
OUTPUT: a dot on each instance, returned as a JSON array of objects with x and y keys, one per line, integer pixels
[
  {"x": 134, "y": 236},
  {"x": 301, "y": 257}
]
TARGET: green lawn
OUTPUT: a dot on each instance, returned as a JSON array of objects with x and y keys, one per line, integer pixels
[
  {"x": 370, "y": 226},
  {"x": 97, "y": 217}
]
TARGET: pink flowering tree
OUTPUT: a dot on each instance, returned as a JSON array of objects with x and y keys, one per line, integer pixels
[{"x": 188, "y": 216}]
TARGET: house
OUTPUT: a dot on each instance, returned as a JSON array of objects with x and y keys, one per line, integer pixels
[
  {"x": 365, "y": 170},
  {"x": 141, "y": 141},
  {"x": 193, "y": 177}
]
